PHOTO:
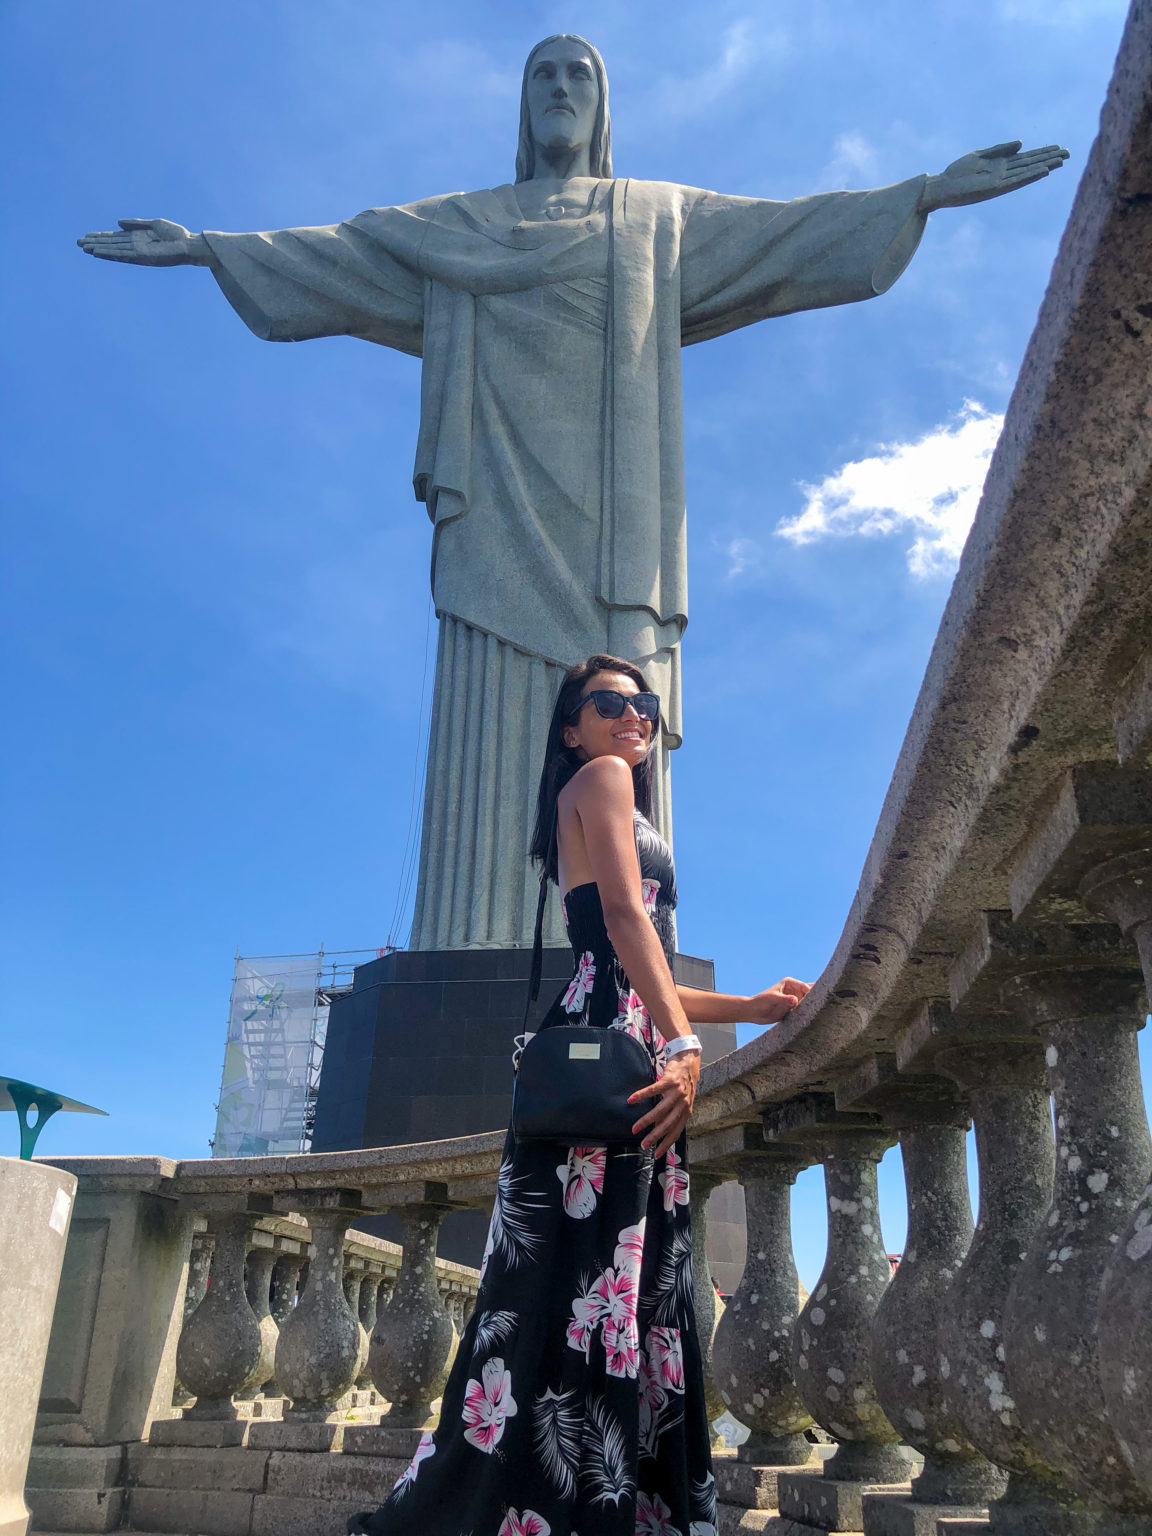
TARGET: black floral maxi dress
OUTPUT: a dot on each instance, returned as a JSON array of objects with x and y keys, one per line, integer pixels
[{"x": 575, "y": 1406}]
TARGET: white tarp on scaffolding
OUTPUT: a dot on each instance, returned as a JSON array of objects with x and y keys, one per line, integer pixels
[{"x": 276, "y": 1026}]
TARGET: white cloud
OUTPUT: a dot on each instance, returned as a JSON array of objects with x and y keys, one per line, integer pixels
[
  {"x": 743, "y": 45},
  {"x": 742, "y": 555},
  {"x": 929, "y": 487},
  {"x": 854, "y": 163}
]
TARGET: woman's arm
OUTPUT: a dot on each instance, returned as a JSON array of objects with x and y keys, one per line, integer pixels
[{"x": 767, "y": 1007}]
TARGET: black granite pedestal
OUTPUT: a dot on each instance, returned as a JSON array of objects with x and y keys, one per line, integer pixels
[{"x": 421, "y": 1050}]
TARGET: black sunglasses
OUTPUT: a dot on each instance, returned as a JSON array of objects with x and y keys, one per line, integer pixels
[{"x": 610, "y": 704}]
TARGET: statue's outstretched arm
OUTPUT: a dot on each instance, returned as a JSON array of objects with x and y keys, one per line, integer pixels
[
  {"x": 148, "y": 243},
  {"x": 989, "y": 173}
]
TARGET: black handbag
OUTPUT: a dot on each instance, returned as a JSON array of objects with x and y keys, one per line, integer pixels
[{"x": 573, "y": 1082}]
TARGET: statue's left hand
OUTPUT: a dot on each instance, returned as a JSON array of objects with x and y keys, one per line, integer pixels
[{"x": 989, "y": 173}]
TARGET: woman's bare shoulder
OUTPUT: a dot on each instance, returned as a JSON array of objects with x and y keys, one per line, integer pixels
[{"x": 603, "y": 777}]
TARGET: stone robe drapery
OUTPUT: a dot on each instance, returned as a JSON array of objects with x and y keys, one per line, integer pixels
[{"x": 550, "y": 450}]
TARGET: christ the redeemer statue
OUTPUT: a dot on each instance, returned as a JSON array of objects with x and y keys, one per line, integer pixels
[{"x": 549, "y": 315}]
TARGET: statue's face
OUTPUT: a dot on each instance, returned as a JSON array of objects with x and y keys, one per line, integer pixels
[{"x": 563, "y": 96}]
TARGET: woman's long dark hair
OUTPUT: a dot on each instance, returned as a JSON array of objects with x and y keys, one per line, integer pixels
[{"x": 561, "y": 762}]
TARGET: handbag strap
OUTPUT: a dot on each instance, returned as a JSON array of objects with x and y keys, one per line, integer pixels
[{"x": 536, "y": 969}]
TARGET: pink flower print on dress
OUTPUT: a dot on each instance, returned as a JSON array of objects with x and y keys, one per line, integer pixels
[
  {"x": 649, "y": 890},
  {"x": 653, "y": 1517},
  {"x": 426, "y": 1448},
  {"x": 674, "y": 1181},
  {"x": 581, "y": 984},
  {"x": 583, "y": 1179},
  {"x": 527, "y": 1524},
  {"x": 487, "y": 1404},
  {"x": 630, "y": 1251},
  {"x": 633, "y": 1017},
  {"x": 587, "y": 1311},
  {"x": 666, "y": 1356},
  {"x": 621, "y": 1347}
]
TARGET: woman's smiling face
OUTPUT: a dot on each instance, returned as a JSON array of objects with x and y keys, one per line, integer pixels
[{"x": 629, "y": 737}]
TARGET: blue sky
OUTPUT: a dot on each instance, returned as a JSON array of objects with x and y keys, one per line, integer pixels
[{"x": 217, "y": 586}]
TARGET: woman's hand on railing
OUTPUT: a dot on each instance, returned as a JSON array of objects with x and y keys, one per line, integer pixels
[
  {"x": 675, "y": 1094},
  {"x": 777, "y": 1002}
]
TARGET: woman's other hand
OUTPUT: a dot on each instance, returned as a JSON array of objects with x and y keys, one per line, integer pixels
[
  {"x": 777, "y": 1002},
  {"x": 675, "y": 1093}
]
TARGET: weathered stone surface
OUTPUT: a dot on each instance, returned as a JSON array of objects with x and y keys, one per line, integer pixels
[
  {"x": 183, "y": 1510},
  {"x": 223, "y": 1469},
  {"x": 368, "y": 1478},
  {"x": 752, "y": 1351},
  {"x": 281, "y": 1515},
  {"x": 199, "y": 1432},
  {"x": 220, "y": 1350},
  {"x": 900, "y": 1514},
  {"x": 35, "y": 1212},
  {"x": 75, "y": 1466},
  {"x": 382, "y": 1439},
  {"x": 76, "y": 1509},
  {"x": 295, "y": 1435},
  {"x": 906, "y": 1359},
  {"x": 749, "y": 1486},
  {"x": 832, "y": 1343},
  {"x": 826, "y": 1503},
  {"x": 408, "y": 1357},
  {"x": 1089, "y": 1020},
  {"x": 319, "y": 1345},
  {"x": 258, "y": 1287},
  {"x": 734, "y": 1520}
]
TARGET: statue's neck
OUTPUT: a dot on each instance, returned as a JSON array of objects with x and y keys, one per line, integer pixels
[{"x": 561, "y": 164}]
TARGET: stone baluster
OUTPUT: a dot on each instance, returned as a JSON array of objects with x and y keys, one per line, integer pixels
[
  {"x": 261, "y": 1261},
  {"x": 1088, "y": 1017},
  {"x": 752, "y": 1351},
  {"x": 220, "y": 1345},
  {"x": 907, "y": 1366},
  {"x": 199, "y": 1263},
  {"x": 706, "y": 1304},
  {"x": 384, "y": 1291},
  {"x": 469, "y": 1307},
  {"x": 410, "y": 1346},
  {"x": 832, "y": 1345},
  {"x": 319, "y": 1345},
  {"x": 1121, "y": 890},
  {"x": 366, "y": 1311},
  {"x": 353, "y": 1279},
  {"x": 282, "y": 1298}
]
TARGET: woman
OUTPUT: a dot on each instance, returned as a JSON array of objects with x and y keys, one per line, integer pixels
[{"x": 576, "y": 1403}]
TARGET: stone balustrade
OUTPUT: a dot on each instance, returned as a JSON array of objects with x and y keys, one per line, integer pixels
[{"x": 232, "y": 1355}]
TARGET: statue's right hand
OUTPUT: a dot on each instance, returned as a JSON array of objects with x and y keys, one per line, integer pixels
[{"x": 144, "y": 243}]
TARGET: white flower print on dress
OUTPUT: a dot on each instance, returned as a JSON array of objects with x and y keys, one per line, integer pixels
[
  {"x": 426, "y": 1448},
  {"x": 527, "y": 1524},
  {"x": 487, "y": 1404},
  {"x": 583, "y": 1179},
  {"x": 581, "y": 984},
  {"x": 666, "y": 1354},
  {"x": 674, "y": 1181},
  {"x": 649, "y": 890},
  {"x": 652, "y": 1399},
  {"x": 653, "y": 1517},
  {"x": 635, "y": 1020}
]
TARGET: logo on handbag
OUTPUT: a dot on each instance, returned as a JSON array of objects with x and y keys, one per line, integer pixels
[{"x": 583, "y": 1052}]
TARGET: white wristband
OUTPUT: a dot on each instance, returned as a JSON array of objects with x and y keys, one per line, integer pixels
[{"x": 682, "y": 1043}]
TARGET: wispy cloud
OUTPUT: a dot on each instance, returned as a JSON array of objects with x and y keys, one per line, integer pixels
[
  {"x": 854, "y": 163},
  {"x": 929, "y": 487},
  {"x": 744, "y": 44}
]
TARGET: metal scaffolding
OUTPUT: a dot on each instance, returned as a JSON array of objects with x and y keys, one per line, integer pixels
[{"x": 277, "y": 1022}]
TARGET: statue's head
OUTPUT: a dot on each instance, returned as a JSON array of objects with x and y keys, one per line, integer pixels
[{"x": 564, "y": 103}]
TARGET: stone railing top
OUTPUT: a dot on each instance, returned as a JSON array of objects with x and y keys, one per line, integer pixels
[{"x": 1040, "y": 632}]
